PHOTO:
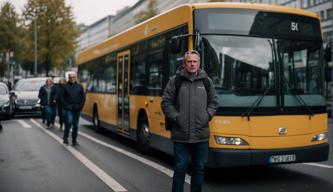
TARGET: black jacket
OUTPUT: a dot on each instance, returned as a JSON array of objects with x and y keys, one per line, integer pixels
[
  {"x": 42, "y": 95},
  {"x": 72, "y": 97}
]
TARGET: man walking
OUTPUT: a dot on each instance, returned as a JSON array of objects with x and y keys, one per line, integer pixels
[
  {"x": 190, "y": 102},
  {"x": 72, "y": 99}
]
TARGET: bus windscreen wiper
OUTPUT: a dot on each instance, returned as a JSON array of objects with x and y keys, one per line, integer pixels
[
  {"x": 256, "y": 103},
  {"x": 302, "y": 102}
]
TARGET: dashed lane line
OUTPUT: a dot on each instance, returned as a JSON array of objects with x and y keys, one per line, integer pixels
[
  {"x": 107, "y": 179},
  {"x": 23, "y": 123}
]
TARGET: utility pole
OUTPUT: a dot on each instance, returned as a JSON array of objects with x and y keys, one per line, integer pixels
[{"x": 35, "y": 45}]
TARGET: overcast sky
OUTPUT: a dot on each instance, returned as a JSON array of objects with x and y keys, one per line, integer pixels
[{"x": 86, "y": 11}]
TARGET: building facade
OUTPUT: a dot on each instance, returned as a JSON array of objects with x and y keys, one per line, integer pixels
[{"x": 95, "y": 33}]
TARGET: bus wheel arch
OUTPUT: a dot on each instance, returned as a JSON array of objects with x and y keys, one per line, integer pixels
[
  {"x": 142, "y": 132},
  {"x": 95, "y": 119}
]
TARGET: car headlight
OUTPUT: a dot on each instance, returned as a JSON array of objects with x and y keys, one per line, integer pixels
[
  {"x": 319, "y": 137},
  {"x": 229, "y": 140}
]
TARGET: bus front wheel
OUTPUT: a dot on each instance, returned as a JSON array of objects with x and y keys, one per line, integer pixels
[{"x": 143, "y": 135}]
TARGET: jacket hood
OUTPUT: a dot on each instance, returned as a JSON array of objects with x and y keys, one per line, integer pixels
[{"x": 200, "y": 75}]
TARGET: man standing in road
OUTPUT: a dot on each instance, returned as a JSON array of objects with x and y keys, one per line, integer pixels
[
  {"x": 190, "y": 102},
  {"x": 72, "y": 99}
]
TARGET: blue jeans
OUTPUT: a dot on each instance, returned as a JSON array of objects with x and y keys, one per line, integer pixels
[
  {"x": 199, "y": 154},
  {"x": 71, "y": 120},
  {"x": 49, "y": 111}
]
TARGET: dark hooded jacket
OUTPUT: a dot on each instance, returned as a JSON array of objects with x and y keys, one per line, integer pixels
[
  {"x": 72, "y": 97},
  {"x": 44, "y": 99},
  {"x": 193, "y": 109}
]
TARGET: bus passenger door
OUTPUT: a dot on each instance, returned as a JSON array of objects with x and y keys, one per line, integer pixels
[{"x": 123, "y": 85}]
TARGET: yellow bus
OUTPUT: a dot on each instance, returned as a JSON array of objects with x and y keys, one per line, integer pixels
[{"x": 266, "y": 63}]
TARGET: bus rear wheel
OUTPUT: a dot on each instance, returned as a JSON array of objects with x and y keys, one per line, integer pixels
[
  {"x": 143, "y": 135},
  {"x": 96, "y": 122}
]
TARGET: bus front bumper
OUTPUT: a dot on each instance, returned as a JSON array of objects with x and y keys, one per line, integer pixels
[{"x": 233, "y": 158}]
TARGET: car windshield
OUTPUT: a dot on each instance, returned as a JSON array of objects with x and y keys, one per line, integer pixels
[
  {"x": 3, "y": 90},
  {"x": 29, "y": 85}
]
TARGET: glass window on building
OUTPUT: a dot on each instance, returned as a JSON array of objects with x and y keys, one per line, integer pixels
[
  {"x": 329, "y": 13},
  {"x": 322, "y": 15},
  {"x": 304, "y": 4}
]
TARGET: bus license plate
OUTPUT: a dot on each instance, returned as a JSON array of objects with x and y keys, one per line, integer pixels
[{"x": 282, "y": 158}]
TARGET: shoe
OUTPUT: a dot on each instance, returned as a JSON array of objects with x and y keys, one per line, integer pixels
[
  {"x": 75, "y": 143},
  {"x": 65, "y": 142}
]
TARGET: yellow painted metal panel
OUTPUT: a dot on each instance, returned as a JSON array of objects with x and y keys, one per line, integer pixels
[{"x": 262, "y": 132}]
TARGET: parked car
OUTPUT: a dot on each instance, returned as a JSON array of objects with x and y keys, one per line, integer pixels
[
  {"x": 6, "y": 103},
  {"x": 25, "y": 94}
]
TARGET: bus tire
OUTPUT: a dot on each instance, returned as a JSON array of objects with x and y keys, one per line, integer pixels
[
  {"x": 143, "y": 135},
  {"x": 95, "y": 120}
]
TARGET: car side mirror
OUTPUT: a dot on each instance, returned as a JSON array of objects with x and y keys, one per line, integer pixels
[{"x": 175, "y": 45}]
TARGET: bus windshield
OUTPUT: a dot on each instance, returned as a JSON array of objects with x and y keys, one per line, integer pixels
[
  {"x": 250, "y": 54},
  {"x": 243, "y": 68}
]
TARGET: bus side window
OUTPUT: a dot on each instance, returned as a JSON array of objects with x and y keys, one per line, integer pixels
[{"x": 138, "y": 75}]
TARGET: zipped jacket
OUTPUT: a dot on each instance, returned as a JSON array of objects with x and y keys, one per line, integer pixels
[
  {"x": 42, "y": 95},
  {"x": 193, "y": 109},
  {"x": 72, "y": 97}
]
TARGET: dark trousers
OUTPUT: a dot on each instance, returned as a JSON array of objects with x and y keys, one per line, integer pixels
[
  {"x": 61, "y": 114},
  {"x": 71, "y": 120},
  {"x": 198, "y": 153},
  {"x": 49, "y": 112}
]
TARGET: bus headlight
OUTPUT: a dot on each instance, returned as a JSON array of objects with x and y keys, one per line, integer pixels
[
  {"x": 229, "y": 140},
  {"x": 319, "y": 137}
]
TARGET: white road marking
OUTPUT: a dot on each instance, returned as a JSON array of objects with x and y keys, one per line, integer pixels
[
  {"x": 148, "y": 162},
  {"x": 319, "y": 165},
  {"x": 23, "y": 123},
  {"x": 108, "y": 180}
]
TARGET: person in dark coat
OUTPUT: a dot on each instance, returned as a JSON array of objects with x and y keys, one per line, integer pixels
[
  {"x": 190, "y": 109},
  {"x": 72, "y": 99},
  {"x": 61, "y": 111},
  {"x": 47, "y": 95}
]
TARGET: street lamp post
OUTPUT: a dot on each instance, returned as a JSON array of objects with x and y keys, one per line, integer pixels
[{"x": 35, "y": 45}]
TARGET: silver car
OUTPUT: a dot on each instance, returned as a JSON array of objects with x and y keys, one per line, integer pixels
[{"x": 6, "y": 104}]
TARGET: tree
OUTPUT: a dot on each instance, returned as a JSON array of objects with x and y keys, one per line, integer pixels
[
  {"x": 9, "y": 34},
  {"x": 56, "y": 31},
  {"x": 150, "y": 12}
]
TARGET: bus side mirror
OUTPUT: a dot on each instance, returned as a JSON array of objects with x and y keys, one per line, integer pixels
[
  {"x": 328, "y": 52},
  {"x": 176, "y": 45}
]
